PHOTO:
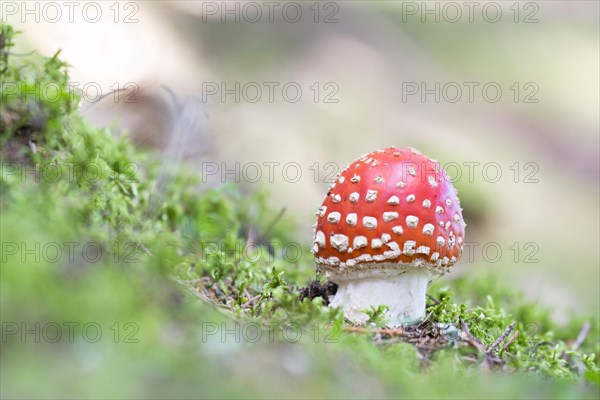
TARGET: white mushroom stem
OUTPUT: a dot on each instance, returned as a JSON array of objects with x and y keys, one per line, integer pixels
[{"x": 403, "y": 292}]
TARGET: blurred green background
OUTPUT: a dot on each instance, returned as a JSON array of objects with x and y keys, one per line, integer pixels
[{"x": 360, "y": 59}]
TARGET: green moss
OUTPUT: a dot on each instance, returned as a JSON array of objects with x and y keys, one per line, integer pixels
[{"x": 168, "y": 272}]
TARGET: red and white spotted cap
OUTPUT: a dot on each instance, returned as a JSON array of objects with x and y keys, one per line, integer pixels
[{"x": 392, "y": 208}]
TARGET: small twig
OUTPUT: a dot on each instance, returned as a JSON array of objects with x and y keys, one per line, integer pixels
[
  {"x": 501, "y": 339},
  {"x": 250, "y": 301},
  {"x": 246, "y": 294},
  {"x": 536, "y": 346},
  {"x": 422, "y": 323},
  {"x": 580, "y": 368},
  {"x": 585, "y": 330},
  {"x": 470, "y": 358},
  {"x": 144, "y": 248},
  {"x": 510, "y": 341},
  {"x": 204, "y": 298},
  {"x": 468, "y": 337},
  {"x": 435, "y": 301},
  {"x": 275, "y": 220},
  {"x": 381, "y": 331}
]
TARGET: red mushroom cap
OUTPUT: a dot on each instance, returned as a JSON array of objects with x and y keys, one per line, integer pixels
[{"x": 393, "y": 207}]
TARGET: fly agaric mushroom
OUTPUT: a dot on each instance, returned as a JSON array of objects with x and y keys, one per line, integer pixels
[{"x": 389, "y": 223}]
